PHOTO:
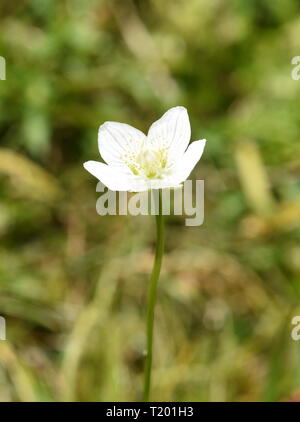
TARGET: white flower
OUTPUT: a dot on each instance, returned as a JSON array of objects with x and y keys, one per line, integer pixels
[{"x": 136, "y": 162}]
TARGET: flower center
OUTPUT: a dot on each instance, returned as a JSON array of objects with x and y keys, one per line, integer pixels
[
  {"x": 149, "y": 162},
  {"x": 152, "y": 163}
]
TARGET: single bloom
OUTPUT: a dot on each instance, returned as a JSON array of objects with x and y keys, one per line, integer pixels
[{"x": 136, "y": 162}]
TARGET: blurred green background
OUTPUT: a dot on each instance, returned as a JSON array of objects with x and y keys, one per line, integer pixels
[{"x": 73, "y": 284}]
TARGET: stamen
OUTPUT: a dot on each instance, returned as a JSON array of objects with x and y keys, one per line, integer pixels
[{"x": 148, "y": 162}]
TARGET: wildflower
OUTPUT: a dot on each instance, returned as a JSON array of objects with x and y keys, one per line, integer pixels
[{"x": 136, "y": 162}]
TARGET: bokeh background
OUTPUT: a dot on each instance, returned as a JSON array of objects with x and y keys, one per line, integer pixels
[{"x": 73, "y": 284}]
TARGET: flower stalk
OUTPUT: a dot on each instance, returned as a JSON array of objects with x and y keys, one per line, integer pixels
[{"x": 152, "y": 294}]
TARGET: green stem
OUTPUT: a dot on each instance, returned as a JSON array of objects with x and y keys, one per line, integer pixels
[{"x": 152, "y": 295}]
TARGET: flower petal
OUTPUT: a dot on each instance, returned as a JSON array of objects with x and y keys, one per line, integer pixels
[
  {"x": 172, "y": 131},
  {"x": 116, "y": 140},
  {"x": 189, "y": 160},
  {"x": 111, "y": 177},
  {"x": 140, "y": 185}
]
